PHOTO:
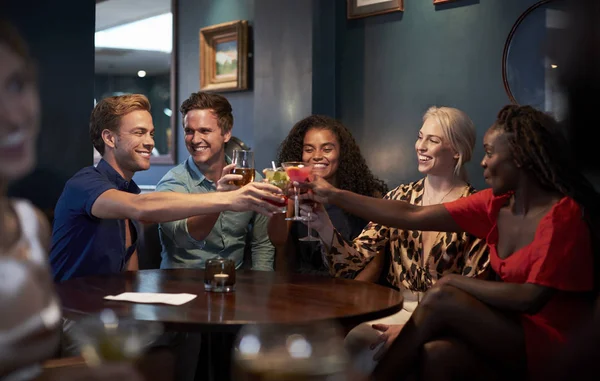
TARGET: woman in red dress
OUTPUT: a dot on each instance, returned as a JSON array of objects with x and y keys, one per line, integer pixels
[{"x": 536, "y": 220}]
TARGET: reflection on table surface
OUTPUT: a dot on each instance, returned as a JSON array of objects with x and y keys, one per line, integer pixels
[{"x": 260, "y": 297}]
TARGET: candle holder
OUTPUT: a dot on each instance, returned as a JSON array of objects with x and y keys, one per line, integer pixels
[{"x": 219, "y": 275}]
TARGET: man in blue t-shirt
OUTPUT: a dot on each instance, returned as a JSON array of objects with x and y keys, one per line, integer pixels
[{"x": 96, "y": 221}]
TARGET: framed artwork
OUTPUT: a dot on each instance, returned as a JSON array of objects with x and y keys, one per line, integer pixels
[
  {"x": 364, "y": 8},
  {"x": 224, "y": 57},
  {"x": 442, "y": 1}
]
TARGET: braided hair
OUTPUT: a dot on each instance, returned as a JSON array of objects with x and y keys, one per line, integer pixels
[
  {"x": 539, "y": 144},
  {"x": 353, "y": 174}
]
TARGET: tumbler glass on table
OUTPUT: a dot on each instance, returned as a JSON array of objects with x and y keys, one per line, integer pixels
[
  {"x": 219, "y": 275},
  {"x": 244, "y": 165}
]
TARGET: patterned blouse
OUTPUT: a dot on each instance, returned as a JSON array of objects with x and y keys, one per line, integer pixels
[{"x": 451, "y": 253}]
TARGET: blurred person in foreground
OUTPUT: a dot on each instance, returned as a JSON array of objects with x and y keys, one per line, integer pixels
[{"x": 30, "y": 322}]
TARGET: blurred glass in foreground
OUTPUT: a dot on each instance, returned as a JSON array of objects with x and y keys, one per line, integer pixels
[
  {"x": 107, "y": 338},
  {"x": 290, "y": 353}
]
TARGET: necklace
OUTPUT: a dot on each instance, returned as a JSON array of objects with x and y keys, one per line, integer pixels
[
  {"x": 423, "y": 279},
  {"x": 443, "y": 198}
]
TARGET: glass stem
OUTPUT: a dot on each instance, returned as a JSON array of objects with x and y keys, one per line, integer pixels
[{"x": 297, "y": 202}]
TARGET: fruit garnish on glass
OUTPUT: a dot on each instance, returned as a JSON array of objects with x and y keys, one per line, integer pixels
[{"x": 279, "y": 178}]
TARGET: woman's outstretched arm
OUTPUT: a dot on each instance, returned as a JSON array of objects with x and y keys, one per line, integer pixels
[{"x": 398, "y": 214}]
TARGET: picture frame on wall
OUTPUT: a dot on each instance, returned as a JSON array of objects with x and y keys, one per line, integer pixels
[
  {"x": 224, "y": 57},
  {"x": 365, "y": 8},
  {"x": 442, "y": 1}
]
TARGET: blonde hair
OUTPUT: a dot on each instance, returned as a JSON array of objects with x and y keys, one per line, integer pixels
[{"x": 459, "y": 129}]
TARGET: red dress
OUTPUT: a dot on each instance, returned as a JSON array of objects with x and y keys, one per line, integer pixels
[{"x": 559, "y": 257}]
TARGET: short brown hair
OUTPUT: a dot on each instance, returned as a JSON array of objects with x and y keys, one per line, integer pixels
[
  {"x": 219, "y": 105},
  {"x": 108, "y": 112}
]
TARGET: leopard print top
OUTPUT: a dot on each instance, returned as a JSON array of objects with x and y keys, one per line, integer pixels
[{"x": 451, "y": 253}]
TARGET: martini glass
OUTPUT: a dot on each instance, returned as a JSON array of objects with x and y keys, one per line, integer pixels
[{"x": 299, "y": 172}]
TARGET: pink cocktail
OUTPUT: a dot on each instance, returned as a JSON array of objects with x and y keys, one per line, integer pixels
[{"x": 299, "y": 172}]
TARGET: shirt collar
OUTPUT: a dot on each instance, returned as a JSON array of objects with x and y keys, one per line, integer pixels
[
  {"x": 197, "y": 175},
  {"x": 114, "y": 177}
]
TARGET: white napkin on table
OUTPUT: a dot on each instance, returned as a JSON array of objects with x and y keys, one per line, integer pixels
[{"x": 152, "y": 297}]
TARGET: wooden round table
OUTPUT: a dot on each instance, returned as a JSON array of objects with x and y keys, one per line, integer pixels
[{"x": 260, "y": 297}]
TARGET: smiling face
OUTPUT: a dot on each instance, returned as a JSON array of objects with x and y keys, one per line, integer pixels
[
  {"x": 500, "y": 171},
  {"x": 204, "y": 139},
  {"x": 132, "y": 145},
  {"x": 435, "y": 156},
  {"x": 321, "y": 148},
  {"x": 19, "y": 115}
]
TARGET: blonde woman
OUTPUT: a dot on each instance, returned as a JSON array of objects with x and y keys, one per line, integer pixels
[{"x": 416, "y": 259}]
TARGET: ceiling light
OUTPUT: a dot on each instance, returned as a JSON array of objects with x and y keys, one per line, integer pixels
[
  {"x": 141, "y": 73},
  {"x": 153, "y": 33},
  {"x": 553, "y": 66}
]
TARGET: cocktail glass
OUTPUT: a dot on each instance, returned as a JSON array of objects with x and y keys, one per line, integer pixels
[
  {"x": 280, "y": 179},
  {"x": 299, "y": 172}
]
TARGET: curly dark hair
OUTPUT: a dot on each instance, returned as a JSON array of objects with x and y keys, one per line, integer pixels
[
  {"x": 539, "y": 143},
  {"x": 353, "y": 174}
]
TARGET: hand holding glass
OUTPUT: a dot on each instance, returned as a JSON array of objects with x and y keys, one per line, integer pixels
[{"x": 244, "y": 165}]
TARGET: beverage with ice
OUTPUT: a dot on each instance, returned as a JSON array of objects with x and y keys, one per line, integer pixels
[{"x": 280, "y": 179}]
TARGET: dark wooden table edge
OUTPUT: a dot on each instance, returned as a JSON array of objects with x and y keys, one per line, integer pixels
[{"x": 347, "y": 322}]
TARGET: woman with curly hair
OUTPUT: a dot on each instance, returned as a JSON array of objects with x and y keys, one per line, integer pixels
[{"x": 330, "y": 148}]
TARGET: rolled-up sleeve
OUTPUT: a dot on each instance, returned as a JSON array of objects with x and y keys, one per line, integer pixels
[
  {"x": 263, "y": 252},
  {"x": 177, "y": 231}
]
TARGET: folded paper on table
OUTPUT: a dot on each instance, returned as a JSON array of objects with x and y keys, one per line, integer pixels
[{"x": 152, "y": 297}]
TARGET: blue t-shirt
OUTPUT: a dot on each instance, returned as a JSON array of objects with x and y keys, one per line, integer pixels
[{"x": 81, "y": 243}]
